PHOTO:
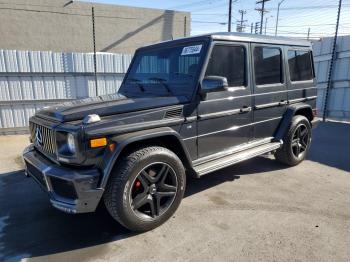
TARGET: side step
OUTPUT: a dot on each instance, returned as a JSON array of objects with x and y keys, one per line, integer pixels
[{"x": 229, "y": 160}]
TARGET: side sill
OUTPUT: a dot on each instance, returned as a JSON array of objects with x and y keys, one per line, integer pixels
[{"x": 235, "y": 158}]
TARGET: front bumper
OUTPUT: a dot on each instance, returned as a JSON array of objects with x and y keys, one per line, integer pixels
[{"x": 70, "y": 190}]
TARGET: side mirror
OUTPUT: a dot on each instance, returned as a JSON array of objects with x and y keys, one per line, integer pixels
[{"x": 213, "y": 84}]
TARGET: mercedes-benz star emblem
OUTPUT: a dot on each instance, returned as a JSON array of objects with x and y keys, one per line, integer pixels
[{"x": 38, "y": 137}]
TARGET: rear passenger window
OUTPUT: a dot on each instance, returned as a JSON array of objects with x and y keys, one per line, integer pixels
[
  {"x": 300, "y": 65},
  {"x": 229, "y": 62},
  {"x": 268, "y": 65}
]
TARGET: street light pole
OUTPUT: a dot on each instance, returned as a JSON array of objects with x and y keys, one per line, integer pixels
[
  {"x": 266, "y": 22},
  {"x": 278, "y": 14}
]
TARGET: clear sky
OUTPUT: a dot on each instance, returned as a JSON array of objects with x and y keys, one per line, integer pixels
[{"x": 296, "y": 16}]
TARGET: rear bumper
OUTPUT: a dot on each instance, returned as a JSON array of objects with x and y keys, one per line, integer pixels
[{"x": 70, "y": 190}]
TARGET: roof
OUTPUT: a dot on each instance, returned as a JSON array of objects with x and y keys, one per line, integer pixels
[
  {"x": 257, "y": 38},
  {"x": 240, "y": 37}
]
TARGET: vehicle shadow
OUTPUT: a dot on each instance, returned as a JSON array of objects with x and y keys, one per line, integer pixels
[
  {"x": 30, "y": 227},
  {"x": 330, "y": 145}
]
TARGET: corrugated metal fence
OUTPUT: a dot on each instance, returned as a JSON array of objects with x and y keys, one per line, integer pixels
[
  {"x": 30, "y": 80},
  {"x": 339, "y": 95}
]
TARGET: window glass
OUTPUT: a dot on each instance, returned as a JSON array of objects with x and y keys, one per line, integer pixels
[
  {"x": 300, "y": 65},
  {"x": 267, "y": 65},
  {"x": 229, "y": 62},
  {"x": 165, "y": 70}
]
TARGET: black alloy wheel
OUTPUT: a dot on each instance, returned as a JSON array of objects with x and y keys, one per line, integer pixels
[
  {"x": 296, "y": 142},
  {"x": 153, "y": 191},
  {"x": 300, "y": 140},
  {"x": 145, "y": 188}
]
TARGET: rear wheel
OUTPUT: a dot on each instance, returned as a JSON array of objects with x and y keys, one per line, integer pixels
[
  {"x": 146, "y": 188},
  {"x": 296, "y": 142}
]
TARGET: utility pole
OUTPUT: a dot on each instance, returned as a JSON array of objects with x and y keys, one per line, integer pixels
[
  {"x": 262, "y": 11},
  {"x": 308, "y": 34},
  {"x": 241, "y": 26},
  {"x": 229, "y": 15},
  {"x": 257, "y": 26},
  {"x": 330, "y": 72},
  {"x": 278, "y": 15}
]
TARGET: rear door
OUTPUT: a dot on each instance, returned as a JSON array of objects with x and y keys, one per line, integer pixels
[
  {"x": 270, "y": 93},
  {"x": 225, "y": 117},
  {"x": 301, "y": 76}
]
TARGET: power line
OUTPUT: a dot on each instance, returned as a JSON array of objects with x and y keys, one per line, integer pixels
[{"x": 80, "y": 14}]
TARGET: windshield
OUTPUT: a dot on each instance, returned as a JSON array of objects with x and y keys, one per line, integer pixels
[{"x": 166, "y": 71}]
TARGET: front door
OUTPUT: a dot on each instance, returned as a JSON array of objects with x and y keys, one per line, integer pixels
[{"x": 225, "y": 117}]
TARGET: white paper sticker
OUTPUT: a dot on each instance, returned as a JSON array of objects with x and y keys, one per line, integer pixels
[{"x": 190, "y": 50}]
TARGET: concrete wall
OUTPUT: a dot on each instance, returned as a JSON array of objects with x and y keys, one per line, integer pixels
[{"x": 46, "y": 25}]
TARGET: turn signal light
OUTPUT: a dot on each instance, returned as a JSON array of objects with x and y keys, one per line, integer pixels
[{"x": 98, "y": 142}]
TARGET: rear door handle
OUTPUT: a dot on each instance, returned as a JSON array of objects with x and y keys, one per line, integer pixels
[{"x": 245, "y": 109}]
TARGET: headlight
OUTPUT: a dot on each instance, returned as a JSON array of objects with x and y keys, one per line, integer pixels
[{"x": 71, "y": 143}]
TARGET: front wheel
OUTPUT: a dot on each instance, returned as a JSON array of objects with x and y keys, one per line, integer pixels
[
  {"x": 296, "y": 142},
  {"x": 146, "y": 188}
]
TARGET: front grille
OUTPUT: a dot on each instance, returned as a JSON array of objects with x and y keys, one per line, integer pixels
[{"x": 45, "y": 140}]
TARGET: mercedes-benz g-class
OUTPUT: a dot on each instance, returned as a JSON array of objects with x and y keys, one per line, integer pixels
[{"x": 186, "y": 107}]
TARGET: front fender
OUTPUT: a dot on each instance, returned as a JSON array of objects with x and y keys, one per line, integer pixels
[{"x": 123, "y": 140}]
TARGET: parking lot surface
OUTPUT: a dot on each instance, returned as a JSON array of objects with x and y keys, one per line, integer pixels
[{"x": 256, "y": 210}]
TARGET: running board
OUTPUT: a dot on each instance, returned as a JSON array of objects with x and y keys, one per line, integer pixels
[{"x": 229, "y": 160}]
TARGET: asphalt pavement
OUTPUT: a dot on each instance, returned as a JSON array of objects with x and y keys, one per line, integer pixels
[{"x": 258, "y": 210}]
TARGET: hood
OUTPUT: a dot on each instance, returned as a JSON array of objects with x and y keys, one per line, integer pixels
[{"x": 105, "y": 106}]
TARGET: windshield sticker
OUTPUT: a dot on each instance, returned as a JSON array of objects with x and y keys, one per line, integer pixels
[{"x": 191, "y": 50}]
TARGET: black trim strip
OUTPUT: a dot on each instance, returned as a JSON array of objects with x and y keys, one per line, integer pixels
[
  {"x": 220, "y": 114},
  {"x": 303, "y": 99},
  {"x": 257, "y": 107}
]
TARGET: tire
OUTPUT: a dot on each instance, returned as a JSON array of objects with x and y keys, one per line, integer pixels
[
  {"x": 295, "y": 148},
  {"x": 133, "y": 183}
]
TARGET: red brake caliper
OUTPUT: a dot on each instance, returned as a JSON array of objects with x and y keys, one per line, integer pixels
[{"x": 137, "y": 184}]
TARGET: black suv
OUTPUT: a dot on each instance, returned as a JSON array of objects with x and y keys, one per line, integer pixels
[{"x": 186, "y": 107}]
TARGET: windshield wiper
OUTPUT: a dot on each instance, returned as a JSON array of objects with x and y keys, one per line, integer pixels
[
  {"x": 137, "y": 82},
  {"x": 162, "y": 81}
]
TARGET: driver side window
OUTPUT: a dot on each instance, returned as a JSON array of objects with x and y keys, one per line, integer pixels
[{"x": 228, "y": 61}]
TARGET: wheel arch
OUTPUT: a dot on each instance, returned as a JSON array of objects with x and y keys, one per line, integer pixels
[
  {"x": 165, "y": 137},
  {"x": 299, "y": 109}
]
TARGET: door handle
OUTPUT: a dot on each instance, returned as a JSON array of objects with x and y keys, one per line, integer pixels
[
  {"x": 283, "y": 102},
  {"x": 245, "y": 109}
]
